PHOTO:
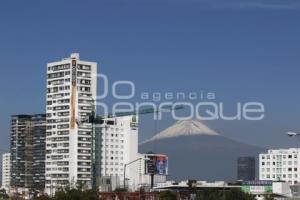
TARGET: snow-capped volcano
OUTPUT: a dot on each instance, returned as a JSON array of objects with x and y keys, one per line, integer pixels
[
  {"x": 197, "y": 152},
  {"x": 184, "y": 128}
]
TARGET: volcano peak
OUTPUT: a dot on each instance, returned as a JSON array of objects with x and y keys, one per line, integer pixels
[{"x": 184, "y": 128}]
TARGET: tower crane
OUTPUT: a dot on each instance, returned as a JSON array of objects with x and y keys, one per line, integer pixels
[{"x": 97, "y": 120}]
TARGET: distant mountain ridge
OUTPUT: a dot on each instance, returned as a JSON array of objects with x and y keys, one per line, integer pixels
[{"x": 197, "y": 152}]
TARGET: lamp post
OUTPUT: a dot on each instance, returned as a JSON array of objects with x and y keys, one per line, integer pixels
[
  {"x": 125, "y": 165},
  {"x": 294, "y": 134}
]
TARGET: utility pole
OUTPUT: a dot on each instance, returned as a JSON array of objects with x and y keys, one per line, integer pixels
[{"x": 152, "y": 180}]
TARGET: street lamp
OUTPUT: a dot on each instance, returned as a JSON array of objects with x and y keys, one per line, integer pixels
[
  {"x": 125, "y": 165},
  {"x": 294, "y": 134}
]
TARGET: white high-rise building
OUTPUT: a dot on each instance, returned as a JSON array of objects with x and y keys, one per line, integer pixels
[
  {"x": 6, "y": 166},
  {"x": 116, "y": 145},
  {"x": 280, "y": 164},
  {"x": 71, "y": 94}
]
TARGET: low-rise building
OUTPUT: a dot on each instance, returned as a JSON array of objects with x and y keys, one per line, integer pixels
[
  {"x": 198, "y": 185},
  {"x": 263, "y": 189}
]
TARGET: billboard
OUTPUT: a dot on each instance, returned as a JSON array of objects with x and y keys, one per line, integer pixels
[
  {"x": 156, "y": 164},
  {"x": 257, "y": 187}
]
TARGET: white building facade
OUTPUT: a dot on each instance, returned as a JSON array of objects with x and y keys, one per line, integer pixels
[
  {"x": 280, "y": 165},
  {"x": 116, "y": 146},
  {"x": 6, "y": 166},
  {"x": 71, "y": 94}
]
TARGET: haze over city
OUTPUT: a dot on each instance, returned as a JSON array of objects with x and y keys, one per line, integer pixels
[
  {"x": 241, "y": 53},
  {"x": 150, "y": 100}
]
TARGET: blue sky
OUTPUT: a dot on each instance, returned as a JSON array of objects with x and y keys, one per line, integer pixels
[{"x": 243, "y": 50}]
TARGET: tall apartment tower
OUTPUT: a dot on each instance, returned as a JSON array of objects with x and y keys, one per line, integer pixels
[
  {"x": 246, "y": 168},
  {"x": 116, "y": 146},
  {"x": 6, "y": 171},
  {"x": 28, "y": 154},
  {"x": 71, "y": 94},
  {"x": 39, "y": 152}
]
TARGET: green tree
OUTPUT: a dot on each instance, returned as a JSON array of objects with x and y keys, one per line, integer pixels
[
  {"x": 269, "y": 197},
  {"x": 3, "y": 194},
  {"x": 209, "y": 194},
  {"x": 43, "y": 197},
  {"x": 214, "y": 194},
  {"x": 76, "y": 194},
  {"x": 167, "y": 195},
  {"x": 238, "y": 195},
  {"x": 121, "y": 190}
]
